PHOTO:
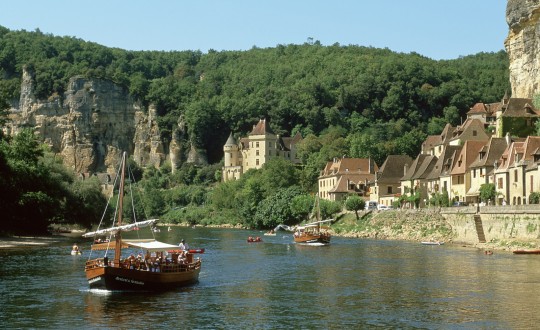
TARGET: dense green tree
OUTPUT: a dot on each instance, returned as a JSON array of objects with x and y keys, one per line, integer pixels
[
  {"x": 487, "y": 192},
  {"x": 355, "y": 203},
  {"x": 302, "y": 206},
  {"x": 276, "y": 209}
]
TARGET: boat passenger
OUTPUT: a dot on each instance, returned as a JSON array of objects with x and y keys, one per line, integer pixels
[{"x": 183, "y": 245}]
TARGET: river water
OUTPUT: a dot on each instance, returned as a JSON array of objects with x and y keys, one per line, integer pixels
[{"x": 353, "y": 283}]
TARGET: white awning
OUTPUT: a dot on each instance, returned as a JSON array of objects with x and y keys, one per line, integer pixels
[{"x": 153, "y": 246}]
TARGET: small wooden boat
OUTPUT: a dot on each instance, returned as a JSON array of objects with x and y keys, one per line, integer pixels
[
  {"x": 432, "y": 243},
  {"x": 526, "y": 252},
  {"x": 313, "y": 233},
  {"x": 155, "y": 272}
]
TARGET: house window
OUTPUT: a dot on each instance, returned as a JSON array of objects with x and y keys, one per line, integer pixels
[
  {"x": 389, "y": 190},
  {"x": 474, "y": 173},
  {"x": 531, "y": 183},
  {"x": 474, "y": 133},
  {"x": 257, "y": 152},
  {"x": 257, "y": 162},
  {"x": 257, "y": 144},
  {"x": 499, "y": 183},
  {"x": 515, "y": 176}
]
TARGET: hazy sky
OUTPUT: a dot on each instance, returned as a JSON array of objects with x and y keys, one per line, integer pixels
[{"x": 439, "y": 29}]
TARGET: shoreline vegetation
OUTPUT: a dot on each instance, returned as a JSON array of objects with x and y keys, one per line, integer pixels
[{"x": 404, "y": 225}]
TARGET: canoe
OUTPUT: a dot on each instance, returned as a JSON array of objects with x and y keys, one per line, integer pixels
[
  {"x": 526, "y": 252},
  {"x": 432, "y": 243}
]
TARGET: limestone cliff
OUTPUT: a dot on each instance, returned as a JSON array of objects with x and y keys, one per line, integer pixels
[
  {"x": 523, "y": 46},
  {"x": 92, "y": 124}
]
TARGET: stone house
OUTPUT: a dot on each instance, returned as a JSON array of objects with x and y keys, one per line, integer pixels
[
  {"x": 344, "y": 176},
  {"x": 517, "y": 117},
  {"x": 481, "y": 170},
  {"x": 515, "y": 175},
  {"x": 460, "y": 175},
  {"x": 253, "y": 151},
  {"x": 416, "y": 178},
  {"x": 471, "y": 130},
  {"x": 438, "y": 181},
  {"x": 387, "y": 188}
]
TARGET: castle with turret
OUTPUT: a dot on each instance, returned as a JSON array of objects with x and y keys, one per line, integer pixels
[{"x": 253, "y": 151}]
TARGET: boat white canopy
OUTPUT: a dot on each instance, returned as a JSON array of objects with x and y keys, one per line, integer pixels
[
  {"x": 129, "y": 227},
  {"x": 153, "y": 246}
]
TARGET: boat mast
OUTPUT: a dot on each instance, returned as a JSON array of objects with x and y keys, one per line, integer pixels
[{"x": 118, "y": 236}]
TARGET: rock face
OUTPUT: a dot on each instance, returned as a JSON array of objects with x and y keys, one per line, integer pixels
[
  {"x": 93, "y": 124},
  {"x": 523, "y": 45}
]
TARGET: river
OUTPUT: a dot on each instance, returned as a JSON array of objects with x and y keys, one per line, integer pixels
[{"x": 353, "y": 283}]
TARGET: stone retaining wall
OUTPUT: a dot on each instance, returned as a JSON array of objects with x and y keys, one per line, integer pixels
[{"x": 500, "y": 223}]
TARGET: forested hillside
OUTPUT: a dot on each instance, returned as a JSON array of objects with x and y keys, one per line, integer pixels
[
  {"x": 344, "y": 100},
  {"x": 374, "y": 94}
]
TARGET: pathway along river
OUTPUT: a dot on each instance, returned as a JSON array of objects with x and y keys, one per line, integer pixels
[{"x": 353, "y": 283}]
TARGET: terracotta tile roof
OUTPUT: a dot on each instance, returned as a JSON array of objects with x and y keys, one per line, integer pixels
[
  {"x": 262, "y": 128},
  {"x": 531, "y": 146},
  {"x": 467, "y": 156},
  {"x": 507, "y": 158},
  {"x": 350, "y": 165},
  {"x": 478, "y": 108},
  {"x": 291, "y": 141},
  {"x": 447, "y": 133},
  {"x": 392, "y": 169},
  {"x": 520, "y": 107},
  {"x": 472, "y": 129},
  {"x": 430, "y": 142},
  {"x": 420, "y": 167},
  {"x": 490, "y": 153},
  {"x": 446, "y": 157},
  {"x": 342, "y": 185}
]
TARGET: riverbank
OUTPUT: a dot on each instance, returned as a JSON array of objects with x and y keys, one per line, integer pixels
[
  {"x": 406, "y": 225},
  {"x": 26, "y": 241},
  {"x": 429, "y": 225}
]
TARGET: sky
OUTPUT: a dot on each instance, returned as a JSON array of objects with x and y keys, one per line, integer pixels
[{"x": 438, "y": 29}]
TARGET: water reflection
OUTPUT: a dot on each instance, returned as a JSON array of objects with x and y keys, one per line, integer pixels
[{"x": 279, "y": 285}]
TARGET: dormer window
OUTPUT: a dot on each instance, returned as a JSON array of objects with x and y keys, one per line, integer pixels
[{"x": 474, "y": 133}]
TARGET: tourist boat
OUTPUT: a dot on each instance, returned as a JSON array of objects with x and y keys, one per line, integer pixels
[
  {"x": 157, "y": 271},
  {"x": 313, "y": 233},
  {"x": 526, "y": 252},
  {"x": 432, "y": 243}
]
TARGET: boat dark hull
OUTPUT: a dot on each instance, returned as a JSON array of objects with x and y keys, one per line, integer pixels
[
  {"x": 527, "y": 252},
  {"x": 312, "y": 239},
  {"x": 113, "y": 278}
]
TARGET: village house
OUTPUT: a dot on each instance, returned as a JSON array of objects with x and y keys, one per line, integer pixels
[
  {"x": 507, "y": 177},
  {"x": 460, "y": 175},
  {"x": 344, "y": 176},
  {"x": 517, "y": 117},
  {"x": 416, "y": 178},
  {"x": 482, "y": 168},
  {"x": 253, "y": 151},
  {"x": 516, "y": 175},
  {"x": 386, "y": 188},
  {"x": 438, "y": 181}
]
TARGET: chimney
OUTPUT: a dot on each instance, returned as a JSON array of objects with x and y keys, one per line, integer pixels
[{"x": 507, "y": 137}]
